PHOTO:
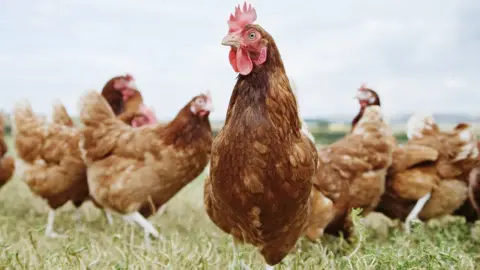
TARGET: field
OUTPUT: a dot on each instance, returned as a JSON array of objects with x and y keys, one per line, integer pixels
[{"x": 190, "y": 241}]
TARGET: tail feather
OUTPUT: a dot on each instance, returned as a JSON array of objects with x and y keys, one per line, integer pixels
[
  {"x": 94, "y": 109},
  {"x": 420, "y": 124},
  {"x": 99, "y": 138},
  {"x": 60, "y": 115},
  {"x": 30, "y": 132}
]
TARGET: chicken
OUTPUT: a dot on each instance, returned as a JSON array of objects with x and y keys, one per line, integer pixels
[
  {"x": 133, "y": 170},
  {"x": 7, "y": 163},
  {"x": 60, "y": 116},
  {"x": 260, "y": 175},
  {"x": 428, "y": 177},
  {"x": 127, "y": 102},
  {"x": 55, "y": 170},
  {"x": 366, "y": 97},
  {"x": 351, "y": 174}
]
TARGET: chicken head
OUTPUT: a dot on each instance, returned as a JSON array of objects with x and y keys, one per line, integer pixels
[
  {"x": 247, "y": 46},
  {"x": 202, "y": 105}
]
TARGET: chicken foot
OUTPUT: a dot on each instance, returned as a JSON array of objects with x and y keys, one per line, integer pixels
[
  {"x": 415, "y": 211},
  {"x": 108, "y": 216},
  {"x": 49, "y": 229},
  {"x": 148, "y": 228}
]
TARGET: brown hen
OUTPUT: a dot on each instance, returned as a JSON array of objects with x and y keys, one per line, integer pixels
[
  {"x": 351, "y": 174},
  {"x": 260, "y": 175},
  {"x": 133, "y": 170},
  {"x": 428, "y": 177},
  {"x": 54, "y": 170}
]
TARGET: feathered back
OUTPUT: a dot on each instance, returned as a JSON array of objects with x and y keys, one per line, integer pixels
[
  {"x": 60, "y": 115},
  {"x": 94, "y": 109},
  {"x": 29, "y": 132}
]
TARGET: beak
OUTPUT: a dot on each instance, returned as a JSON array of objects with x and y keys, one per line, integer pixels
[{"x": 232, "y": 39}]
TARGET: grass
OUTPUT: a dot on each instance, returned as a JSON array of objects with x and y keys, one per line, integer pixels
[{"x": 190, "y": 241}]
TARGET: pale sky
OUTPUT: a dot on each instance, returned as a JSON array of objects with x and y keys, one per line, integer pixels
[{"x": 419, "y": 55}]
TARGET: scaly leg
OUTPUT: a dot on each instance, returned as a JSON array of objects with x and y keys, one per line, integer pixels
[
  {"x": 415, "y": 211},
  {"x": 49, "y": 229},
  {"x": 108, "y": 215},
  {"x": 148, "y": 228}
]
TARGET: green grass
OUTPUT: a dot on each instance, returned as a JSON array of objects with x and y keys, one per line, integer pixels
[{"x": 190, "y": 241}]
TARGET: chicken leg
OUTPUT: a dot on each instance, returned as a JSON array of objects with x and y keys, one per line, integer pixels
[
  {"x": 416, "y": 210},
  {"x": 49, "y": 229},
  {"x": 108, "y": 215},
  {"x": 148, "y": 228}
]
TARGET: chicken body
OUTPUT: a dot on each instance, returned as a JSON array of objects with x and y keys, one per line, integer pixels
[
  {"x": 132, "y": 170},
  {"x": 428, "y": 177},
  {"x": 7, "y": 163},
  {"x": 260, "y": 175},
  {"x": 55, "y": 170},
  {"x": 351, "y": 174}
]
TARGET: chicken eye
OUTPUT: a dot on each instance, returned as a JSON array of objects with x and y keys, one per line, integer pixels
[
  {"x": 200, "y": 101},
  {"x": 252, "y": 35}
]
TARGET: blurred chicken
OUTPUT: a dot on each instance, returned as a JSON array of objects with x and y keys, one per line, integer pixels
[
  {"x": 7, "y": 163},
  {"x": 127, "y": 102},
  {"x": 54, "y": 170},
  {"x": 260, "y": 175},
  {"x": 351, "y": 174},
  {"x": 134, "y": 171},
  {"x": 366, "y": 97},
  {"x": 428, "y": 177}
]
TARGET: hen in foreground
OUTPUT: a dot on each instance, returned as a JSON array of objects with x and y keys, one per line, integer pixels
[
  {"x": 429, "y": 174},
  {"x": 134, "y": 171},
  {"x": 7, "y": 163},
  {"x": 262, "y": 165},
  {"x": 55, "y": 170}
]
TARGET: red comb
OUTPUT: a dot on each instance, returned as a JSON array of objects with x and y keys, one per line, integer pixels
[
  {"x": 241, "y": 18},
  {"x": 363, "y": 86}
]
